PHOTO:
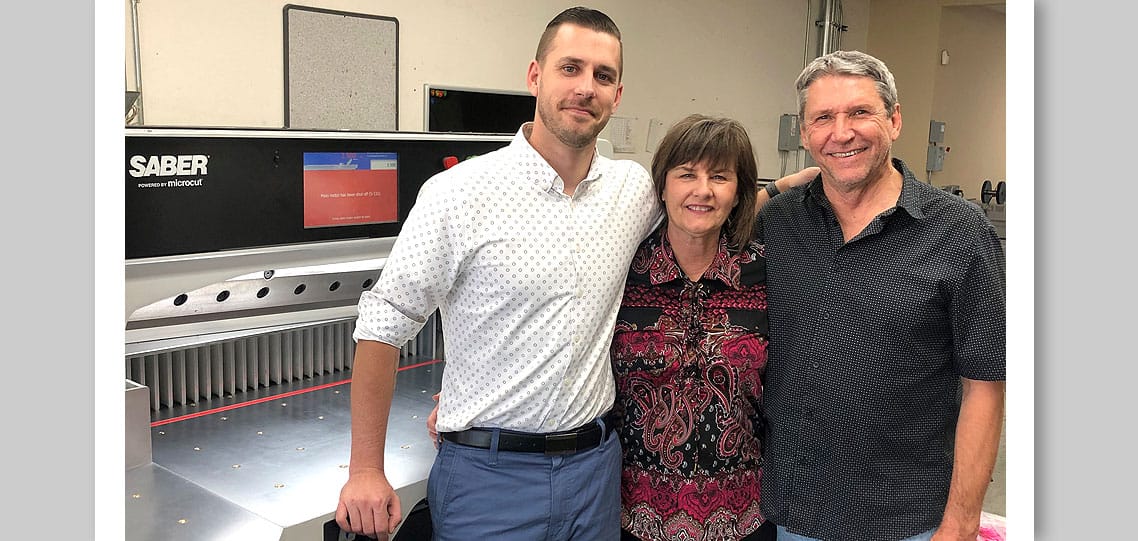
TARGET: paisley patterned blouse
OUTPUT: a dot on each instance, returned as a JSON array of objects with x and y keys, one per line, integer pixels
[{"x": 688, "y": 360}]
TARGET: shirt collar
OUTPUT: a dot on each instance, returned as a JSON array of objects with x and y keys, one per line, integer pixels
[
  {"x": 724, "y": 268},
  {"x": 540, "y": 173},
  {"x": 912, "y": 199}
]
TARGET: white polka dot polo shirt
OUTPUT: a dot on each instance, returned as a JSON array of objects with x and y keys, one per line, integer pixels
[{"x": 527, "y": 280}]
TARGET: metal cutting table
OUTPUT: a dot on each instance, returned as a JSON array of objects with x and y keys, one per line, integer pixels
[{"x": 272, "y": 467}]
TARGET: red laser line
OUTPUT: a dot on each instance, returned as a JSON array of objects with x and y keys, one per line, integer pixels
[{"x": 274, "y": 397}]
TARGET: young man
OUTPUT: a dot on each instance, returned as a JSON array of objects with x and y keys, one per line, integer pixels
[
  {"x": 524, "y": 251},
  {"x": 884, "y": 387}
]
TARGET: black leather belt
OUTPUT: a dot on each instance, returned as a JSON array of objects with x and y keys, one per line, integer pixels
[{"x": 553, "y": 443}]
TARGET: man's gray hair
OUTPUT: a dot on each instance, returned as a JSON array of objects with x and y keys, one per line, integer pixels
[{"x": 850, "y": 63}]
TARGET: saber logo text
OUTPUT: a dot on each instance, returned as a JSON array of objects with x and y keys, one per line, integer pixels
[{"x": 168, "y": 165}]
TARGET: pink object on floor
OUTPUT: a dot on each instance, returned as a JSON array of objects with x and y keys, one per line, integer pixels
[{"x": 992, "y": 528}]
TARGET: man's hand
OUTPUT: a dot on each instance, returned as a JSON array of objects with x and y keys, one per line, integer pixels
[
  {"x": 368, "y": 505},
  {"x": 955, "y": 532},
  {"x": 431, "y": 420},
  {"x": 785, "y": 183},
  {"x": 797, "y": 179}
]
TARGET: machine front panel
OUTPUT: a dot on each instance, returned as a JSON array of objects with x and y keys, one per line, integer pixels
[{"x": 199, "y": 193}]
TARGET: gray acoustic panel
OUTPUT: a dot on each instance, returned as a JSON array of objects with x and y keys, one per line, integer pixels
[{"x": 341, "y": 70}]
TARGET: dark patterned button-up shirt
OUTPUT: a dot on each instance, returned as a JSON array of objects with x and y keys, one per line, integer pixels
[
  {"x": 869, "y": 340},
  {"x": 688, "y": 359}
]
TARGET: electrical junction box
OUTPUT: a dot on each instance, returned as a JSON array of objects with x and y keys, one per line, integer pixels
[
  {"x": 936, "y": 131},
  {"x": 935, "y": 159},
  {"x": 788, "y": 132}
]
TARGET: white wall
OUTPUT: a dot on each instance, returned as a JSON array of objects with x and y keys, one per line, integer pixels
[
  {"x": 968, "y": 94},
  {"x": 971, "y": 98},
  {"x": 221, "y": 62}
]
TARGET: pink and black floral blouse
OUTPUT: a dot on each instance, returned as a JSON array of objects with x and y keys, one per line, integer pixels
[{"x": 688, "y": 359}]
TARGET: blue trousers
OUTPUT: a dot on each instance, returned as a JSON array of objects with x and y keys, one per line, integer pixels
[{"x": 489, "y": 494}]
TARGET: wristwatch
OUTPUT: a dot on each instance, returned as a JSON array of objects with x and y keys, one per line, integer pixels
[{"x": 772, "y": 189}]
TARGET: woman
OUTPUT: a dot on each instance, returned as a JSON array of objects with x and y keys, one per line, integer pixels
[{"x": 690, "y": 346}]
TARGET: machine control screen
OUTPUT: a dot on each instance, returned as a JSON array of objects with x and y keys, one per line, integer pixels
[{"x": 350, "y": 188}]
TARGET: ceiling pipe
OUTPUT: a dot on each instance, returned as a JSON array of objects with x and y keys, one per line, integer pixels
[{"x": 137, "y": 61}]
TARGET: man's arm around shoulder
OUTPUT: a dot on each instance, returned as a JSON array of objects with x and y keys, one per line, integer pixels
[
  {"x": 368, "y": 505},
  {"x": 785, "y": 183}
]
